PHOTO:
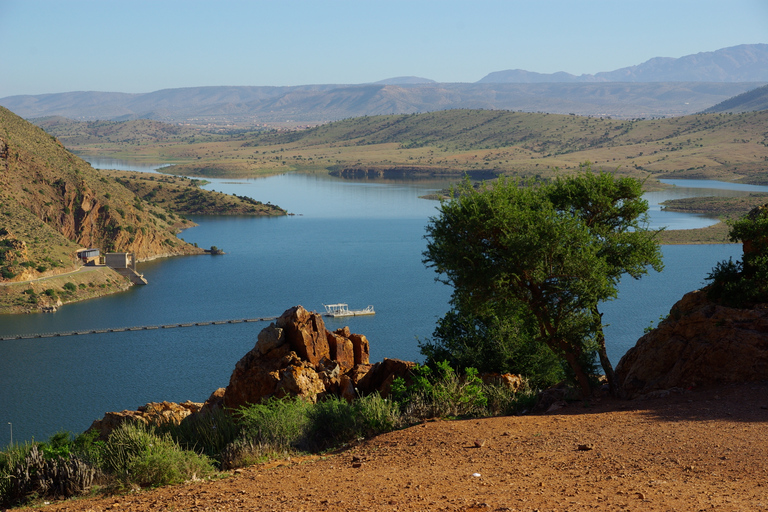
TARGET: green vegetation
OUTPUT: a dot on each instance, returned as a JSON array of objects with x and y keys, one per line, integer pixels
[
  {"x": 543, "y": 256},
  {"x": 744, "y": 283},
  {"x": 184, "y": 196},
  {"x": 138, "y": 455}
]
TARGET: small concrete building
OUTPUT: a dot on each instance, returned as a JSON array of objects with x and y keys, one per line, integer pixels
[
  {"x": 125, "y": 263},
  {"x": 89, "y": 256},
  {"x": 120, "y": 260}
]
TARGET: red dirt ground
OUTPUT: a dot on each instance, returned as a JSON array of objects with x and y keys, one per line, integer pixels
[{"x": 697, "y": 450}]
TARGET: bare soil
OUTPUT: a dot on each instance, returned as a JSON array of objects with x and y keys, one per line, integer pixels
[{"x": 702, "y": 449}]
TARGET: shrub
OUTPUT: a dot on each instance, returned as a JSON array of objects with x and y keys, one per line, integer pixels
[
  {"x": 164, "y": 463},
  {"x": 278, "y": 424},
  {"x": 70, "y": 286},
  {"x": 207, "y": 434},
  {"x": 377, "y": 415},
  {"x": 136, "y": 454},
  {"x": 441, "y": 392},
  {"x": 491, "y": 344},
  {"x": 44, "y": 470}
]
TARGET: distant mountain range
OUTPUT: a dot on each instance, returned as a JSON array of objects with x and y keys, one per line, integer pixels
[
  {"x": 660, "y": 87},
  {"x": 743, "y": 63}
]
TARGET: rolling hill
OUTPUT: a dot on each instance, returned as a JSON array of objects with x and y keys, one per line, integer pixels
[
  {"x": 750, "y": 101},
  {"x": 52, "y": 203},
  {"x": 730, "y": 147}
]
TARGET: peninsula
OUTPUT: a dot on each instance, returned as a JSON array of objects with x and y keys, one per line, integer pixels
[{"x": 53, "y": 203}]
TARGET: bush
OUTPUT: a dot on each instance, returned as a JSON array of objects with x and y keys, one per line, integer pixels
[
  {"x": 45, "y": 470},
  {"x": 440, "y": 392},
  {"x": 278, "y": 424},
  {"x": 491, "y": 344},
  {"x": 207, "y": 434},
  {"x": 744, "y": 283},
  {"x": 334, "y": 421},
  {"x": 136, "y": 454},
  {"x": 164, "y": 463}
]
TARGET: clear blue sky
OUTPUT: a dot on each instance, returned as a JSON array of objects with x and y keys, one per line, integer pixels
[{"x": 142, "y": 46}]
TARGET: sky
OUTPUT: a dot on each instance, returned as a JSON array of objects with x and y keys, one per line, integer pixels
[{"x": 142, "y": 46}]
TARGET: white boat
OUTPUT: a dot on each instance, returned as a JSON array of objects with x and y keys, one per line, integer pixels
[{"x": 338, "y": 310}]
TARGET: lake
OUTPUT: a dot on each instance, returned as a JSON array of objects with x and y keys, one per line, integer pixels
[{"x": 357, "y": 242}]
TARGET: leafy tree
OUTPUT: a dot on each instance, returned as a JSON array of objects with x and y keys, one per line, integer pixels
[
  {"x": 507, "y": 248},
  {"x": 744, "y": 283},
  {"x": 491, "y": 343},
  {"x": 544, "y": 256},
  {"x": 616, "y": 214}
]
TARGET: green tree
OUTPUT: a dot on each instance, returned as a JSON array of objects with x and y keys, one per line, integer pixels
[
  {"x": 745, "y": 282},
  {"x": 507, "y": 249},
  {"x": 491, "y": 343},
  {"x": 546, "y": 255},
  {"x": 615, "y": 212}
]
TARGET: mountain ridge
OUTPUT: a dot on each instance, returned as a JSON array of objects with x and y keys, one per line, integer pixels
[
  {"x": 742, "y": 63},
  {"x": 660, "y": 87}
]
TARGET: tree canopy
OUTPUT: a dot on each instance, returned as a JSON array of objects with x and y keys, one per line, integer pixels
[{"x": 546, "y": 254}]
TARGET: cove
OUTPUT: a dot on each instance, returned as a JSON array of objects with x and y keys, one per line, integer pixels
[{"x": 358, "y": 242}]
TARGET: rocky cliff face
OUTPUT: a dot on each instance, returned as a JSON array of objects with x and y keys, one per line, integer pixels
[
  {"x": 699, "y": 343},
  {"x": 55, "y": 202}
]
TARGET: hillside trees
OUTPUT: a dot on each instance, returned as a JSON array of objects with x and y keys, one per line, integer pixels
[
  {"x": 544, "y": 255},
  {"x": 744, "y": 283}
]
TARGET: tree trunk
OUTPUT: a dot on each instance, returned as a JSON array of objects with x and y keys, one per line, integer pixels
[
  {"x": 573, "y": 361},
  {"x": 604, "y": 361}
]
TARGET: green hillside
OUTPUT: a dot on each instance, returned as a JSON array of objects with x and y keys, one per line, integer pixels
[{"x": 52, "y": 203}]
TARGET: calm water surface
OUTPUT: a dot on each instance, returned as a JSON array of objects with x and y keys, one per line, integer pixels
[{"x": 354, "y": 242}]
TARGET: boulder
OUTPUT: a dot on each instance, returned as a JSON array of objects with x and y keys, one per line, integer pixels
[
  {"x": 300, "y": 380},
  {"x": 361, "y": 348},
  {"x": 341, "y": 348},
  {"x": 215, "y": 402},
  {"x": 699, "y": 343},
  {"x": 298, "y": 356},
  {"x": 153, "y": 413},
  {"x": 306, "y": 334},
  {"x": 380, "y": 376},
  {"x": 294, "y": 356}
]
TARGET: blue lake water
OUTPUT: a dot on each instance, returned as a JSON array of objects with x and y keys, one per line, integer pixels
[{"x": 350, "y": 241}]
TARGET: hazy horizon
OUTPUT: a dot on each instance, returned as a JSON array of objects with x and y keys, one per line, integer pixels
[{"x": 144, "y": 46}]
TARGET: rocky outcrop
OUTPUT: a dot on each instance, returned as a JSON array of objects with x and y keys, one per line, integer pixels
[
  {"x": 296, "y": 355},
  {"x": 699, "y": 343},
  {"x": 154, "y": 413}
]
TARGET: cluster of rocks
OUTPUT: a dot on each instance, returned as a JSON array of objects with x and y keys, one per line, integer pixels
[
  {"x": 294, "y": 356},
  {"x": 699, "y": 343}
]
